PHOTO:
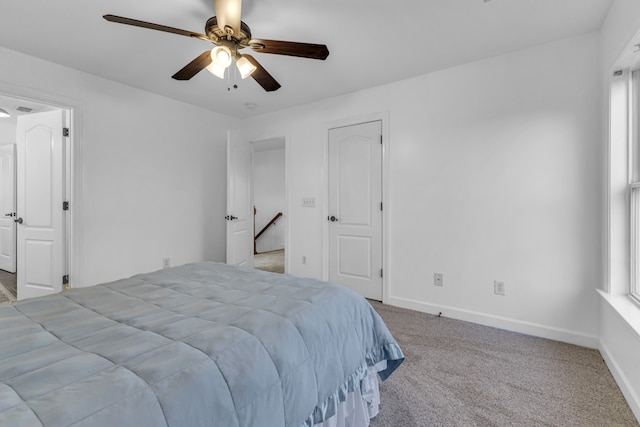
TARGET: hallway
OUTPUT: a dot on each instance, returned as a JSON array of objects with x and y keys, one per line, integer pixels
[
  {"x": 269, "y": 261},
  {"x": 8, "y": 289}
]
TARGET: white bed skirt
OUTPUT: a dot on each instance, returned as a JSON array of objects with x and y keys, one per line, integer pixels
[{"x": 361, "y": 405}]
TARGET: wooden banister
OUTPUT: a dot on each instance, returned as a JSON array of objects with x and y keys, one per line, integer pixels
[{"x": 269, "y": 224}]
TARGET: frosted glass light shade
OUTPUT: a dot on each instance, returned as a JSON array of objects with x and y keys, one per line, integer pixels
[
  {"x": 221, "y": 56},
  {"x": 220, "y": 60},
  {"x": 3, "y": 113},
  {"x": 216, "y": 70},
  {"x": 245, "y": 67}
]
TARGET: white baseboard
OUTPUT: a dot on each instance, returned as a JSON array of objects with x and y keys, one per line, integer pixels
[
  {"x": 527, "y": 328},
  {"x": 621, "y": 379}
]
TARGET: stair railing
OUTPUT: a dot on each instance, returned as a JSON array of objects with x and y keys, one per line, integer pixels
[{"x": 269, "y": 224}]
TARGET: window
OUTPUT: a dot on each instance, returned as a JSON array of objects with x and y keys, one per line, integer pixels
[{"x": 634, "y": 182}]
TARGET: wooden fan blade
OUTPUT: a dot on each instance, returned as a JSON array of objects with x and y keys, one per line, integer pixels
[
  {"x": 261, "y": 75},
  {"x": 158, "y": 27},
  {"x": 228, "y": 14},
  {"x": 303, "y": 50},
  {"x": 194, "y": 67}
]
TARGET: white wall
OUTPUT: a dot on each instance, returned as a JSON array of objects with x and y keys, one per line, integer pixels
[
  {"x": 8, "y": 130},
  {"x": 154, "y": 170},
  {"x": 495, "y": 173},
  {"x": 622, "y": 23},
  {"x": 269, "y": 197}
]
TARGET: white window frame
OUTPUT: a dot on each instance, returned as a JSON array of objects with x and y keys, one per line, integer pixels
[
  {"x": 634, "y": 182},
  {"x": 634, "y": 207}
]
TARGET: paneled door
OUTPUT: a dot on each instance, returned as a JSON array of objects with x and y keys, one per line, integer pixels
[
  {"x": 40, "y": 192},
  {"x": 7, "y": 208},
  {"x": 239, "y": 210},
  {"x": 355, "y": 208}
]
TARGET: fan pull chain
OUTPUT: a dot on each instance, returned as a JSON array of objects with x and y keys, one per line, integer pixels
[{"x": 235, "y": 79}]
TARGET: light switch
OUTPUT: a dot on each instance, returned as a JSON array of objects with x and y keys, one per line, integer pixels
[{"x": 308, "y": 202}]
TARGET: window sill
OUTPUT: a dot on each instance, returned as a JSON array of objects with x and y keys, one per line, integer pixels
[{"x": 628, "y": 310}]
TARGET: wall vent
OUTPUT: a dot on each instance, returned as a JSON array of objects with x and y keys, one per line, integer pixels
[{"x": 24, "y": 109}]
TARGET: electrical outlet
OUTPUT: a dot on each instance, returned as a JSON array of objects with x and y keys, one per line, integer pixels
[
  {"x": 498, "y": 287},
  {"x": 166, "y": 262},
  {"x": 438, "y": 279},
  {"x": 304, "y": 259}
]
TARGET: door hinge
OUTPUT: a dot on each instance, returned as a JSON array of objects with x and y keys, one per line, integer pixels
[
  {"x": 65, "y": 281},
  {"x": 380, "y": 205},
  {"x": 380, "y": 139},
  {"x": 381, "y": 273},
  {"x": 65, "y": 131},
  {"x": 65, "y": 206}
]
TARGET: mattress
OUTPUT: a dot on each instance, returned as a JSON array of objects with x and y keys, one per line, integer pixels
[{"x": 204, "y": 344}]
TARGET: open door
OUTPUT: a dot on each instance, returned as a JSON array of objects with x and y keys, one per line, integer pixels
[
  {"x": 7, "y": 208},
  {"x": 40, "y": 218},
  {"x": 239, "y": 211}
]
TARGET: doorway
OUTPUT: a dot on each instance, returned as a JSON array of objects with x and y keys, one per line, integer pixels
[
  {"x": 268, "y": 171},
  {"x": 36, "y": 233}
]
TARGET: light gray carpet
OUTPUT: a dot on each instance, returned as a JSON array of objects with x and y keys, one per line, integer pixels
[
  {"x": 462, "y": 374},
  {"x": 5, "y": 295},
  {"x": 270, "y": 261},
  {"x": 8, "y": 280}
]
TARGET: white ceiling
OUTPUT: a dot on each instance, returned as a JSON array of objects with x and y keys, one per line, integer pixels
[{"x": 371, "y": 42}]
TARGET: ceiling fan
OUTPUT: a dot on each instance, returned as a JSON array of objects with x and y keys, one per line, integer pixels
[{"x": 230, "y": 35}]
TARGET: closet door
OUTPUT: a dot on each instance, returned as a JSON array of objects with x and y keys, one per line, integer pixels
[{"x": 355, "y": 208}]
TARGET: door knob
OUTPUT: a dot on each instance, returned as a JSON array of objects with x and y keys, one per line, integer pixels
[
  {"x": 10, "y": 214},
  {"x": 233, "y": 217},
  {"x": 332, "y": 218},
  {"x": 19, "y": 220}
]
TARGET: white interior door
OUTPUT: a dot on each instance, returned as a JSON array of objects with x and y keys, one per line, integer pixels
[
  {"x": 7, "y": 208},
  {"x": 40, "y": 192},
  {"x": 239, "y": 211},
  {"x": 355, "y": 208}
]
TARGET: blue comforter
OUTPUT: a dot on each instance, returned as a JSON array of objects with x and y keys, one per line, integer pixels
[{"x": 204, "y": 344}]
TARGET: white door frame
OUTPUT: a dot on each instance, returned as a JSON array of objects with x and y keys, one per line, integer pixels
[
  {"x": 74, "y": 173},
  {"x": 11, "y": 265},
  {"x": 384, "y": 119},
  {"x": 287, "y": 223}
]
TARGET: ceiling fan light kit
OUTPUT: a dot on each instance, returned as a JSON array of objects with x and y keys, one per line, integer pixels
[
  {"x": 230, "y": 35},
  {"x": 221, "y": 58}
]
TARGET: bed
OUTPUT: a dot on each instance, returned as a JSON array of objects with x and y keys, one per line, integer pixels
[{"x": 205, "y": 344}]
